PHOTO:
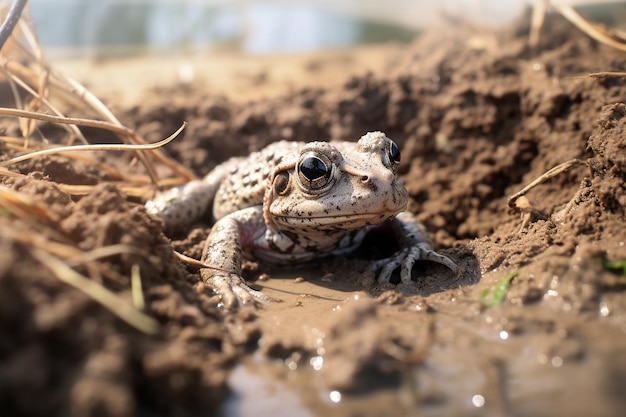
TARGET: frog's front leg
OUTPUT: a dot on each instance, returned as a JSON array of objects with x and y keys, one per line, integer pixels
[
  {"x": 180, "y": 206},
  {"x": 414, "y": 246},
  {"x": 223, "y": 253}
]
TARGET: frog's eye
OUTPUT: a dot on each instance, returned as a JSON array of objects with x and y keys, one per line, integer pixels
[
  {"x": 393, "y": 156},
  {"x": 394, "y": 152},
  {"x": 315, "y": 171}
]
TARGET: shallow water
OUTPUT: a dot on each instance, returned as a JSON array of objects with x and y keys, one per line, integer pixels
[
  {"x": 100, "y": 29},
  {"x": 112, "y": 27}
]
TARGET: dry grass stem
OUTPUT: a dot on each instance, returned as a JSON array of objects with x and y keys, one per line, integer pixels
[
  {"x": 7, "y": 173},
  {"x": 78, "y": 90},
  {"x": 13, "y": 16},
  {"x": 98, "y": 293},
  {"x": 565, "y": 166},
  {"x": 55, "y": 88},
  {"x": 38, "y": 90},
  {"x": 22, "y": 206},
  {"x": 119, "y": 130},
  {"x": 25, "y": 67},
  {"x": 189, "y": 261},
  {"x": 606, "y": 74},
  {"x": 194, "y": 263},
  {"x": 140, "y": 188},
  {"x": 136, "y": 288},
  {"x": 60, "y": 258},
  {"x": 72, "y": 129},
  {"x": 536, "y": 21},
  {"x": 595, "y": 31},
  {"x": 112, "y": 250},
  {"x": 78, "y": 148}
]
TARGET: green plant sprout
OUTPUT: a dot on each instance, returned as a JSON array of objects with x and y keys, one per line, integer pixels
[
  {"x": 499, "y": 291},
  {"x": 615, "y": 266}
]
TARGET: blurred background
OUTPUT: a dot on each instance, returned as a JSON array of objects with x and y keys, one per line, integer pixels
[{"x": 101, "y": 28}]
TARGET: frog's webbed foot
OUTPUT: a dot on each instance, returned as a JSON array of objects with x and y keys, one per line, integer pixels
[
  {"x": 406, "y": 258},
  {"x": 415, "y": 246},
  {"x": 232, "y": 289}
]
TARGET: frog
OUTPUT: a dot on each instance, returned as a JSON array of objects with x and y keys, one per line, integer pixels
[{"x": 296, "y": 202}]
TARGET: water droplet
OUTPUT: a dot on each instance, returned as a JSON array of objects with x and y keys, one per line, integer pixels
[
  {"x": 317, "y": 362},
  {"x": 504, "y": 335},
  {"x": 604, "y": 310},
  {"x": 478, "y": 400},
  {"x": 551, "y": 293},
  {"x": 291, "y": 364},
  {"x": 335, "y": 396},
  {"x": 554, "y": 282},
  {"x": 557, "y": 361}
]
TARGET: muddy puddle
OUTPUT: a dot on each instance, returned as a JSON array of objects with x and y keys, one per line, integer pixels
[
  {"x": 478, "y": 116},
  {"x": 462, "y": 359}
]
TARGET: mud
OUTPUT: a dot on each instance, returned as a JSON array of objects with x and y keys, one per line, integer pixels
[{"x": 478, "y": 116}]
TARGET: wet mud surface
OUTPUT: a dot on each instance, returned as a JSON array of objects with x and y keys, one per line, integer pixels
[{"x": 477, "y": 119}]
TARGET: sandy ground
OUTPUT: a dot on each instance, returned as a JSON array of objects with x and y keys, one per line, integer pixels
[
  {"x": 241, "y": 77},
  {"x": 478, "y": 116}
]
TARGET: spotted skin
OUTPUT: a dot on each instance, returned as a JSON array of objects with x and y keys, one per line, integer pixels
[{"x": 293, "y": 202}]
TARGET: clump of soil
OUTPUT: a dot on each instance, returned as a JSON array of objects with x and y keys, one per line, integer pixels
[{"x": 476, "y": 124}]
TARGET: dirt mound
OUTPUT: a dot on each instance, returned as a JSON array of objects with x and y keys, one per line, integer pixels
[{"x": 477, "y": 119}]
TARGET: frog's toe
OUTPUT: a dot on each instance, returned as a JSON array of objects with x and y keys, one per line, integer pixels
[
  {"x": 233, "y": 290},
  {"x": 405, "y": 260},
  {"x": 428, "y": 254},
  {"x": 387, "y": 266}
]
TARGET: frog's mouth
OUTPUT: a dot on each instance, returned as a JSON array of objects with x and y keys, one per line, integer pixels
[{"x": 338, "y": 221}]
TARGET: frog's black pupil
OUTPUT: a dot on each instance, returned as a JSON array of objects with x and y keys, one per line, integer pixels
[
  {"x": 394, "y": 153},
  {"x": 313, "y": 168}
]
